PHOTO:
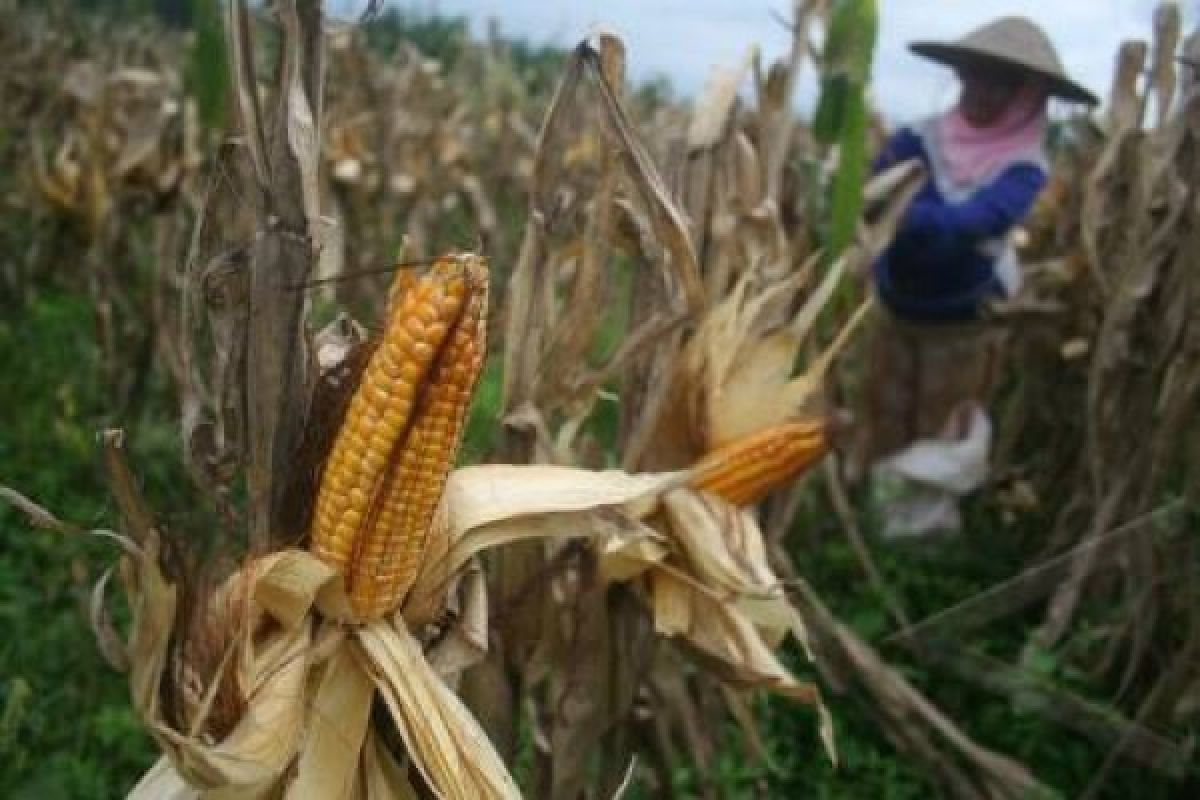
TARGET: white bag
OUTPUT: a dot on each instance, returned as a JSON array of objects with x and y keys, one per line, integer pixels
[{"x": 918, "y": 488}]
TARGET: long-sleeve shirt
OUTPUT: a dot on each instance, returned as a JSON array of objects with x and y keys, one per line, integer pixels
[{"x": 938, "y": 267}]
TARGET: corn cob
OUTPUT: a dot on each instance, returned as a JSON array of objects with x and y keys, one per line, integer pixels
[
  {"x": 389, "y": 463},
  {"x": 743, "y": 471}
]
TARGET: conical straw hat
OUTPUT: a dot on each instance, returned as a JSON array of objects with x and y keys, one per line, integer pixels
[{"x": 1011, "y": 41}]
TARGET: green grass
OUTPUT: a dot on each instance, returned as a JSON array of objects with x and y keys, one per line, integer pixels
[
  {"x": 483, "y": 422},
  {"x": 929, "y": 578},
  {"x": 66, "y": 727}
]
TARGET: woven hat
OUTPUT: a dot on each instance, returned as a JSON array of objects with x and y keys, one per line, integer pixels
[{"x": 1012, "y": 42}]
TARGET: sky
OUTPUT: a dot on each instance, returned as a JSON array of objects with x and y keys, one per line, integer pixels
[{"x": 684, "y": 39}]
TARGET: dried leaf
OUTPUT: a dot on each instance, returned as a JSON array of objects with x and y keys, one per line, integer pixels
[
  {"x": 714, "y": 108},
  {"x": 241, "y": 51},
  {"x": 107, "y": 638},
  {"x": 444, "y": 740},
  {"x": 625, "y": 557},
  {"x": 287, "y": 584},
  {"x": 38, "y": 516},
  {"x": 718, "y": 544},
  {"x": 384, "y": 778},
  {"x": 465, "y": 643},
  {"x": 672, "y": 604},
  {"x": 481, "y": 495},
  {"x": 1168, "y": 29},
  {"x": 665, "y": 216},
  {"x": 725, "y": 639},
  {"x": 262, "y": 746},
  {"x": 302, "y": 123},
  {"x": 163, "y": 782},
  {"x": 337, "y": 728}
]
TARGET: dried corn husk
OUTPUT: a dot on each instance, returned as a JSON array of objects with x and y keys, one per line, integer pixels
[{"x": 310, "y": 679}]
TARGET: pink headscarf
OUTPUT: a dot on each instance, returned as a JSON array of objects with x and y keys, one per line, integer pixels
[{"x": 972, "y": 153}]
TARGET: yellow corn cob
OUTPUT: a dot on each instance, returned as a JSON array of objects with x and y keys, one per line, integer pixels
[
  {"x": 743, "y": 471},
  {"x": 392, "y": 455}
]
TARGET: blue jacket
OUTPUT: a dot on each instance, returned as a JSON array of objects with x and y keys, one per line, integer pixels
[{"x": 936, "y": 268}]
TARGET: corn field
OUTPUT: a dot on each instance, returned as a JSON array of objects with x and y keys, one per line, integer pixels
[{"x": 508, "y": 424}]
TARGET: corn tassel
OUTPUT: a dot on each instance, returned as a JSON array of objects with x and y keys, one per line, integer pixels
[
  {"x": 394, "y": 451},
  {"x": 743, "y": 471}
]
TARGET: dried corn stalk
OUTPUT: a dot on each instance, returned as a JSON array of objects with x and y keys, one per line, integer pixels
[
  {"x": 266, "y": 683},
  {"x": 413, "y": 139},
  {"x": 594, "y": 184},
  {"x": 1141, "y": 350},
  {"x": 699, "y": 572},
  {"x": 113, "y": 151}
]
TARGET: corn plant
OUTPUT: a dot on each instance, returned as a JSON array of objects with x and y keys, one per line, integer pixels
[{"x": 714, "y": 401}]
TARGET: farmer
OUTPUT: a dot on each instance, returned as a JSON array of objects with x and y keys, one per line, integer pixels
[{"x": 933, "y": 359}]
